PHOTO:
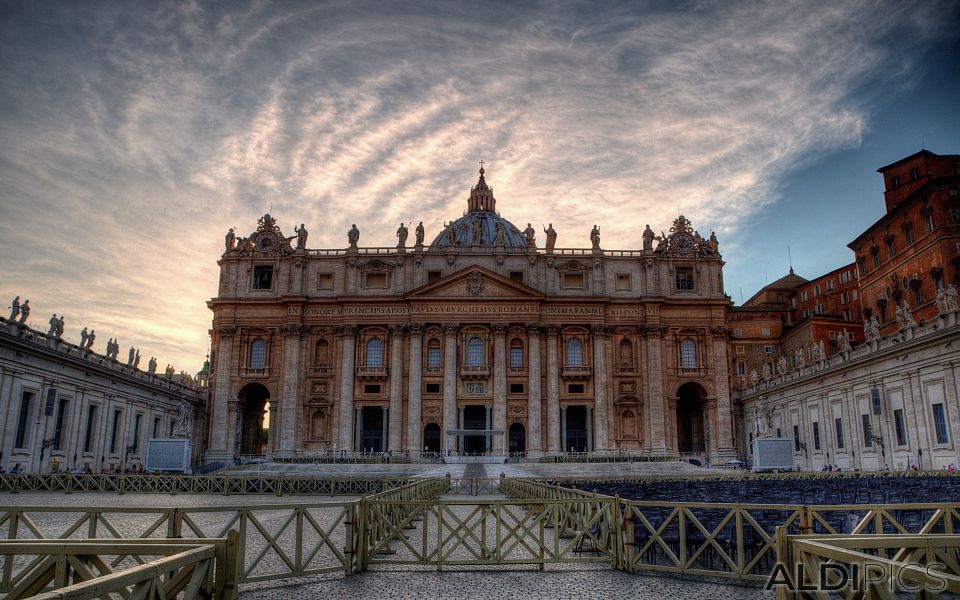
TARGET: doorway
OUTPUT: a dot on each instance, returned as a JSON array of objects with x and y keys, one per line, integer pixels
[
  {"x": 371, "y": 429},
  {"x": 475, "y": 417},
  {"x": 576, "y": 439}
]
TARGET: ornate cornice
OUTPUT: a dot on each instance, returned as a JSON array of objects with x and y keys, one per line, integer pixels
[
  {"x": 294, "y": 329},
  {"x": 346, "y": 331},
  {"x": 226, "y": 330}
]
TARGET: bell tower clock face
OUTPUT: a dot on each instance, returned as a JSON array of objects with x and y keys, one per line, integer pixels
[
  {"x": 682, "y": 242},
  {"x": 266, "y": 241}
]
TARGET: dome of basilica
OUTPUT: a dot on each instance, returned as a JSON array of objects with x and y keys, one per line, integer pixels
[{"x": 479, "y": 225}]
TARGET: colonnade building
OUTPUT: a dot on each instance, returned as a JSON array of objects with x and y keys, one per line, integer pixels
[{"x": 479, "y": 342}]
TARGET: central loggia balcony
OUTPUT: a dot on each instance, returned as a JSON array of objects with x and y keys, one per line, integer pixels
[
  {"x": 371, "y": 373},
  {"x": 574, "y": 373},
  {"x": 474, "y": 371}
]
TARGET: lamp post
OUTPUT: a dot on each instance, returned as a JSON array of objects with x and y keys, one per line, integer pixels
[{"x": 876, "y": 439}]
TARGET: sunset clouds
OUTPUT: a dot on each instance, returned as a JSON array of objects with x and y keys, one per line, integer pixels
[{"x": 134, "y": 135}]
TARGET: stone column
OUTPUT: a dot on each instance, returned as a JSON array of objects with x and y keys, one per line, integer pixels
[
  {"x": 600, "y": 380},
  {"x": 589, "y": 420},
  {"x": 554, "y": 443},
  {"x": 395, "y": 431},
  {"x": 220, "y": 425},
  {"x": 724, "y": 417},
  {"x": 348, "y": 340},
  {"x": 290, "y": 388},
  {"x": 499, "y": 376},
  {"x": 234, "y": 429},
  {"x": 449, "y": 379},
  {"x": 534, "y": 432},
  {"x": 657, "y": 401},
  {"x": 414, "y": 388}
]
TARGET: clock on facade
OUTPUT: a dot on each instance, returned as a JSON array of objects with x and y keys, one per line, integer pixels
[
  {"x": 266, "y": 241},
  {"x": 682, "y": 242}
]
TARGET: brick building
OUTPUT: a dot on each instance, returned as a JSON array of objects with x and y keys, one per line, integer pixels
[{"x": 914, "y": 249}]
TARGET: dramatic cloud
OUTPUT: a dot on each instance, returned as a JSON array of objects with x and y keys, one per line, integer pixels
[{"x": 135, "y": 134}]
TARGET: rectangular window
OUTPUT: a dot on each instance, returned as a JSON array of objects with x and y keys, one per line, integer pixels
[
  {"x": 818, "y": 309},
  {"x": 516, "y": 358},
  {"x": 940, "y": 423},
  {"x": 917, "y": 296},
  {"x": 433, "y": 359},
  {"x": 324, "y": 281},
  {"x": 20, "y": 440},
  {"x": 899, "y": 427},
  {"x": 805, "y": 313},
  {"x": 575, "y": 388},
  {"x": 623, "y": 283},
  {"x": 796, "y": 438},
  {"x": 876, "y": 259},
  {"x": 51, "y": 402},
  {"x": 908, "y": 234},
  {"x": 737, "y": 332},
  {"x": 262, "y": 277},
  {"x": 816, "y": 435},
  {"x": 832, "y": 335},
  {"x": 816, "y": 291},
  {"x": 58, "y": 426},
  {"x": 136, "y": 432},
  {"x": 843, "y": 277},
  {"x": 116, "y": 429},
  {"x": 829, "y": 284},
  {"x": 516, "y": 388},
  {"x": 875, "y": 400},
  {"x": 804, "y": 296},
  {"x": 376, "y": 280},
  {"x": 854, "y": 295},
  {"x": 928, "y": 221},
  {"x": 862, "y": 264},
  {"x": 779, "y": 433},
  {"x": 844, "y": 298},
  {"x": 516, "y": 276},
  {"x": 838, "y": 425},
  {"x": 867, "y": 429},
  {"x": 433, "y": 276},
  {"x": 768, "y": 349},
  {"x": 914, "y": 174},
  {"x": 573, "y": 281},
  {"x": 741, "y": 368},
  {"x": 433, "y": 388},
  {"x": 156, "y": 427},
  {"x": 371, "y": 388},
  {"x": 764, "y": 331},
  {"x": 895, "y": 182},
  {"x": 739, "y": 349},
  {"x": 91, "y": 426},
  {"x": 891, "y": 250},
  {"x": 847, "y": 314},
  {"x": 684, "y": 278}
]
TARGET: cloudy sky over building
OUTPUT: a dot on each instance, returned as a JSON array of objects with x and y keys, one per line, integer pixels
[{"x": 134, "y": 134}]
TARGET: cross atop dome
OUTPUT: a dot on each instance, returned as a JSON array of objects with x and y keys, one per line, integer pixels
[{"x": 481, "y": 196}]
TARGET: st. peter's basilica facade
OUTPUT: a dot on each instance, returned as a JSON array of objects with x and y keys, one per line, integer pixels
[{"x": 480, "y": 341}]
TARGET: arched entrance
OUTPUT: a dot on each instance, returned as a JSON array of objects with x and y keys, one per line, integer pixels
[
  {"x": 431, "y": 438},
  {"x": 690, "y": 419},
  {"x": 518, "y": 439},
  {"x": 252, "y": 406}
]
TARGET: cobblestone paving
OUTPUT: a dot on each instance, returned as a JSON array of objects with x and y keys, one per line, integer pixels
[{"x": 550, "y": 584}]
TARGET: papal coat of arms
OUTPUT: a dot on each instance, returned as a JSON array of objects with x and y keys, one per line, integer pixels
[{"x": 475, "y": 283}]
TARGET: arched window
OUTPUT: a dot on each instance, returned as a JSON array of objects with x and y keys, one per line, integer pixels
[
  {"x": 516, "y": 354},
  {"x": 433, "y": 355},
  {"x": 258, "y": 354},
  {"x": 688, "y": 354},
  {"x": 321, "y": 355},
  {"x": 626, "y": 353},
  {"x": 474, "y": 351},
  {"x": 375, "y": 353},
  {"x": 574, "y": 353}
]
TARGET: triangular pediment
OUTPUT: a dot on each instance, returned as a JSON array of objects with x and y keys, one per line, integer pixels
[{"x": 478, "y": 283}]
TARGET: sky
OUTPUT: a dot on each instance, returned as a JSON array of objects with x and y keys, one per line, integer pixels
[{"x": 133, "y": 134}]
